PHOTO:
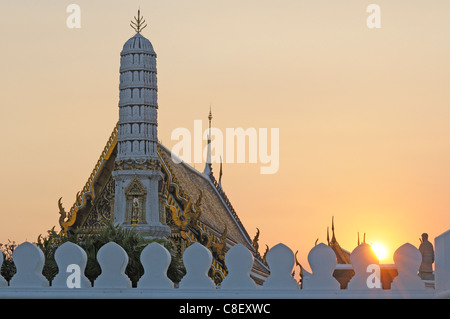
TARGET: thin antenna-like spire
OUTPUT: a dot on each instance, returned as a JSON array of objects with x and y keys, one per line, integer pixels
[
  {"x": 333, "y": 238},
  {"x": 207, "y": 169},
  {"x": 208, "y": 159},
  {"x": 139, "y": 24},
  {"x": 210, "y": 116}
]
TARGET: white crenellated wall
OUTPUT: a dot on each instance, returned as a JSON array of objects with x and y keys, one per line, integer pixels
[{"x": 29, "y": 282}]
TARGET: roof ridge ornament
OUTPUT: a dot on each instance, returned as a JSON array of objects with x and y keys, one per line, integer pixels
[
  {"x": 208, "y": 168},
  {"x": 138, "y": 24}
]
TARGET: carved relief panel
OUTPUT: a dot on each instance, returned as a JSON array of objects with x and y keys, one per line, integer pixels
[{"x": 135, "y": 194}]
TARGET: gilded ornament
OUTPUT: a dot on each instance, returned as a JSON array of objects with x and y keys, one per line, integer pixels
[
  {"x": 130, "y": 164},
  {"x": 265, "y": 254},
  {"x": 255, "y": 240},
  {"x": 62, "y": 217}
]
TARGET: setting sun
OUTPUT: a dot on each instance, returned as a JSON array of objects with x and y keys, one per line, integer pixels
[{"x": 379, "y": 250}]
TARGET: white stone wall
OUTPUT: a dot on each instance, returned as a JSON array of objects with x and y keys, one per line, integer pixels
[{"x": 113, "y": 282}]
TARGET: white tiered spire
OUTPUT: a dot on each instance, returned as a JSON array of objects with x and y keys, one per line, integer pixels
[
  {"x": 138, "y": 100},
  {"x": 137, "y": 168}
]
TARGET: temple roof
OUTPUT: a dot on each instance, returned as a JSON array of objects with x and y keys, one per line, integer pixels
[
  {"x": 217, "y": 217},
  {"x": 217, "y": 211}
]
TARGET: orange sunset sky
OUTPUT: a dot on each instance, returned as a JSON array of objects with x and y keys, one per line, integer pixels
[{"x": 363, "y": 114}]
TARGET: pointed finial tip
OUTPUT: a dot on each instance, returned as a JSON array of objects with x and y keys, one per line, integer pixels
[{"x": 139, "y": 24}]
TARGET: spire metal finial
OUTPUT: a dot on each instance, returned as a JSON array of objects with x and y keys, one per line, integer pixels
[
  {"x": 210, "y": 115},
  {"x": 138, "y": 24},
  {"x": 208, "y": 168}
]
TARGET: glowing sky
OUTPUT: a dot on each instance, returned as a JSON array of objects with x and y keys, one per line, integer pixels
[{"x": 363, "y": 114}]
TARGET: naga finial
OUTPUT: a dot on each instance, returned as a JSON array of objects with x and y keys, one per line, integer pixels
[
  {"x": 255, "y": 240},
  {"x": 138, "y": 24},
  {"x": 223, "y": 237},
  {"x": 265, "y": 254},
  {"x": 198, "y": 203},
  {"x": 63, "y": 215}
]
